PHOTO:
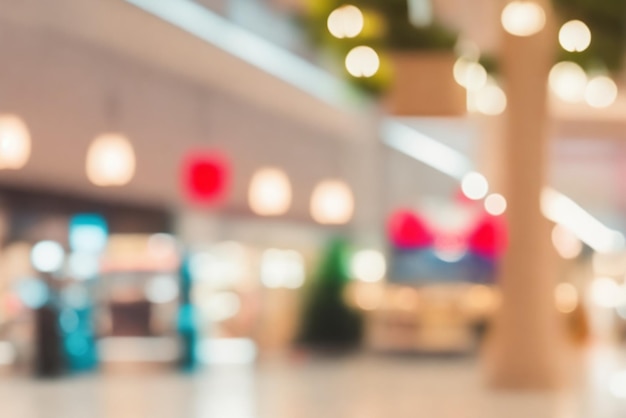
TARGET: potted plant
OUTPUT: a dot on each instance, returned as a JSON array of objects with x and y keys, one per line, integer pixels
[{"x": 415, "y": 75}]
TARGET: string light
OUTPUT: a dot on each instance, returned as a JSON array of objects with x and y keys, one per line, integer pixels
[
  {"x": 523, "y": 18},
  {"x": 362, "y": 61},
  {"x": 575, "y": 36},
  {"x": 345, "y": 22},
  {"x": 490, "y": 100},
  {"x": 601, "y": 92},
  {"x": 568, "y": 81}
]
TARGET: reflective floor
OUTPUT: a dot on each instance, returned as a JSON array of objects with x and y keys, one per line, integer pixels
[{"x": 359, "y": 387}]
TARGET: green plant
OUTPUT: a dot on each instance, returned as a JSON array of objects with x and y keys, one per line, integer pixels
[
  {"x": 328, "y": 321},
  {"x": 386, "y": 28}
]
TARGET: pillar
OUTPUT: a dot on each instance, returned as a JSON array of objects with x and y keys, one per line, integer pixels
[{"x": 525, "y": 347}]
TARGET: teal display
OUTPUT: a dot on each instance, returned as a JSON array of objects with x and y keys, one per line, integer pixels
[{"x": 186, "y": 323}]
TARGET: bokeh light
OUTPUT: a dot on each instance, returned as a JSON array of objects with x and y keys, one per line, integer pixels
[
  {"x": 568, "y": 81},
  {"x": 606, "y": 293},
  {"x": 15, "y": 143},
  {"x": 226, "y": 264},
  {"x": 47, "y": 256},
  {"x": 162, "y": 289},
  {"x": 83, "y": 266},
  {"x": 33, "y": 292},
  {"x": 222, "y": 305},
  {"x": 88, "y": 233},
  {"x": 345, "y": 22},
  {"x": 205, "y": 177},
  {"x": 270, "y": 192},
  {"x": 566, "y": 243},
  {"x": 475, "y": 186},
  {"x": 362, "y": 61},
  {"x": 609, "y": 264},
  {"x": 282, "y": 268},
  {"x": 110, "y": 161},
  {"x": 601, "y": 92},
  {"x": 495, "y": 204},
  {"x": 470, "y": 74},
  {"x": 368, "y": 266},
  {"x": 575, "y": 36},
  {"x": 617, "y": 385},
  {"x": 490, "y": 100},
  {"x": 332, "y": 203},
  {"x": 566, "y": 297},
  {"x": 523, "y": 18}
]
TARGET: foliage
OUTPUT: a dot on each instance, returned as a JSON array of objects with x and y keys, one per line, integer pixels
[
  {"x": 328, "y": 321},
  {"x": 386, "y": 28}
]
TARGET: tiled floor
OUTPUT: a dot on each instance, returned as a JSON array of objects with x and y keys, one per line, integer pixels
[{"x": 355, "y": 387}]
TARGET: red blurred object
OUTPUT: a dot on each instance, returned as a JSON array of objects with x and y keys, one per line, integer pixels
[
  {"x": 407, "y": 230},
  {"x": 205, "y": 177},
  {"x": 490, "y": 238}
]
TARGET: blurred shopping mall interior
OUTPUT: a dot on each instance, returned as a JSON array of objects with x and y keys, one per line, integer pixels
[{"x": 313, "y": 208}]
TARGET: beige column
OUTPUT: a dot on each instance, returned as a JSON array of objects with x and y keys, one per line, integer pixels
[{"x": 525, "y": 348}]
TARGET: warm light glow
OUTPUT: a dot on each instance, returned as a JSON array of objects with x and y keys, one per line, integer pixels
[
  {"x": 481, "y": 298},
  {"x": 523, "y": 18},
  {"x": 282, "y": 269},
  {"x": 618, "y": 385},
  {"x": 227, "y": 264},
  {"x": 467, "y": 49},
  {"x": 495, "y": 204},
  {"x": 609, "y": 264},
  {"x": 475, "y": 186},
  {"x": 601, "y": 92},
  {"x": 575, "y": 36},
  {"x": 221, "y": 306},
  {"x": 568, "y": 81},
  {"x": 362, "y": 61},
  {"x": 369, "y": 297},
  {"x": 368, "y": 266},
  {"x": 490, "y": 100},
  {"x": 14, "y": 143},
  {"x": 470, "y": 74},
  {"x": 565, "y": 297},
  {"x": 162, "y": 246},
  {"x": 110, "y": 161},
  {"x": 565, "y": 242},
  {"x": 345, "y": 22},
  {"x": 606, "y": 293},
  {"x": 47, "y": 256},
  {"x": 270, "y": 192},
  {"x": 405, "y": 299},
  {"x": 332, "y": 203}
]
